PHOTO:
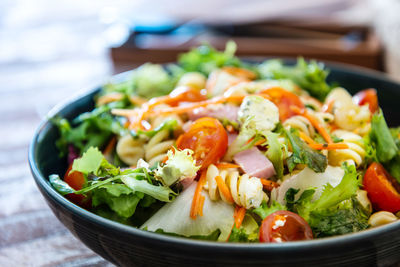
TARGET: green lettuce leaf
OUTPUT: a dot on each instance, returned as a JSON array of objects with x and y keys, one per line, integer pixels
[
  {"x": 90, "y": 162},
  {"x": 205, "y": 58},
  {"x": 303, "y": 154},
  {"x": 275, "y": 153},
  {"x": 264, "y": 209},
  {"x": 119, "y": 198},
  {"x": 309, "y": 76},
  {"x": 386, "y": 148},
  {"x": 346, "y": 217}
]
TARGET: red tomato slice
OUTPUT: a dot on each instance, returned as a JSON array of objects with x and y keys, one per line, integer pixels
[
  {"x": 283, "y": 99},
  {"x": 76, "y": 180},
  {"x": 367, "y": 96},
  {"x": 207, "y": 138},
  {"x": 283, "y": 226},
  {"x": 383, "y": 190}
]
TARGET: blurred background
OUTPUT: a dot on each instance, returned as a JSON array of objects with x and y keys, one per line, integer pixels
[{"x": 50, "y": 50}]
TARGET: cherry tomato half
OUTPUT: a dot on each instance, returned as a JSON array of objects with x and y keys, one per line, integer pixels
[
  {"x": 76, "y": 180},
  {"x": 367, "y": 96},
  {"x": 282, "y": 226},
  {"x": 283, "y": 99},
  {"x": 383, "y": 190},
  {"x": 207, "y": 138}
]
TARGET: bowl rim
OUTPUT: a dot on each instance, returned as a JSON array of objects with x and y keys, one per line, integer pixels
[{"x": 44, "y": 184}]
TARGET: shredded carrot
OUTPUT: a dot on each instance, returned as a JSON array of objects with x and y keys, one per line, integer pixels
[
  {"x": 239, "y": 216},
  {"x": 260, "y": 142},
  {"x": 314, "y": 123},
  {"x": 124, "y": 112},
  {"x": 189, "y": 107},
  {"x": 330, "y": 146},
  {"x": 328, "y": 106},
  {"x": 110, "y": 146},
  {"x": 226, "y": 165},
  {"x": 268, "y": 184},
  {"x": 137, "y": 100},
  {"x": 201, "y": 205},
  {"x": 308, "y": 139},
  {"x": 223, "y": 188},
  {"x": 197, "y": 202},
  {"x": 111, "y": 97},
  {"x": 239, "y": 72}
]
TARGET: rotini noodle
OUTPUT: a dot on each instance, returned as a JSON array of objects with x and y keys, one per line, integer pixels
[
  {"x": 157, "y": 120},
  {"x": 348, "y": 115},
  {"x": 381, "y": 217},
  {"x": 246, "y": 191},
  {"x": 130, "y": 150},
  {"x": 301, "y": 123},
  {"x": 354, "y": 154},
  {"x": 157, "y": 147}
]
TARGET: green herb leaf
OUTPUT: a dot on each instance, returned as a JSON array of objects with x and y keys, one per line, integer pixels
[
  {"x": 386, "y": 148},
  {"x": 303, "y": 154}
]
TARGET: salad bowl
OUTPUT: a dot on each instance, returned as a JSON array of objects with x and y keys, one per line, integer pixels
[{"x": 128, "y": 246}]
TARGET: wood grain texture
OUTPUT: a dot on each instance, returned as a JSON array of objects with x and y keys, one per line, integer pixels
[{"x": 48, "y": 52}]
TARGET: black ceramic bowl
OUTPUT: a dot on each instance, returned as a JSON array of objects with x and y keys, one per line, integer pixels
[{"x": 128, "y": 246}]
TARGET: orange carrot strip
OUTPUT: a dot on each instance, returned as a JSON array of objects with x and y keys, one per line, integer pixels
[
  {"x": 197, "y": 202},
  {"x": 268, "y": 184},
  {"x": 314, "y": 123},
  {"x": 308, "y": 139},
  {"x": 239, "y": 216},
  {"x": 239, "y": 72},
  {"x": 226, "y": 165},
  {"x": 215, "y": 100},
  {"x": 201, "y": 205},
  {"x": 260, "y": 142},
  {"x": 137, "y": 100},
  {"x": 110, "y": 146},
  {"x": 331, "y": 146},
  {"x": 111, "y": 97},
  {"x": 223, "y": 188},
  {"x": 124, "y": 112}
]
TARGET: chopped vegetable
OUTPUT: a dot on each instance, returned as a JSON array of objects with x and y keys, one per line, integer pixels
[
  {"x": 309, "y": 76},
  {"x": 179, "y": 165},
  {"x": 303, "y": 154},
  {"x": 386, "y": 148}
]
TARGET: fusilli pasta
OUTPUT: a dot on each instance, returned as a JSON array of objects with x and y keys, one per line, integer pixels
[
  {"x": 157, "y": 147},
  {"x": 130, "y": 150},
  {"x": 246, "y": 191},
  {"x": 354, "y": 154}
]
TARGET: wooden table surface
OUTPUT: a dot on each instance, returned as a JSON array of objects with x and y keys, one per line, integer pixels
[{"x": 48, "y": 51}]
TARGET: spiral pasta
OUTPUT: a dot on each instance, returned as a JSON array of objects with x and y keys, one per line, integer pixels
[
  {"x": 381, "y": 217},
  {"x": 246, "y": 191},
  {"x": 301, "y": 123},
  {"x": 130, "y": 150},
  {"x": 157, "y": 147},
  {"x": 348, "y": 115},
  {"x": 354, "y": 154},
  {"x": 157, "y": 120}
]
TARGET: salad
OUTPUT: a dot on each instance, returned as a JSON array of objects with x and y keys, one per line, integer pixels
[{"x": 215, "y": 148}]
